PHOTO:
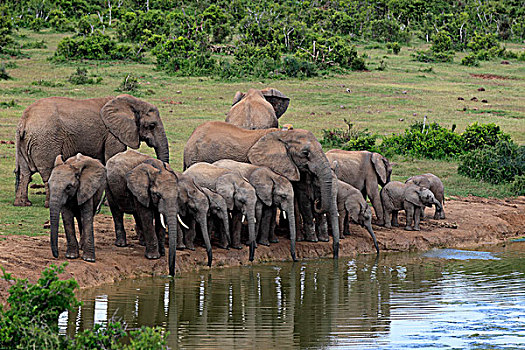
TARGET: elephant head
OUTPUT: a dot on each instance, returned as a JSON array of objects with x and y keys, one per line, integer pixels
[
  {"x": 421, "y": 196},
  {"x": 382, "y": 167},
  {"x": 77, "y": 179},
  {"x": 132, "y": 120},
  {"x": 155, "y": 185},
  {"x": 276, "y": 98},
  {"x": 359, "y": 211}
]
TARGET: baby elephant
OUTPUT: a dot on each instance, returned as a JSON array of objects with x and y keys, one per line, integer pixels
[
  {"x": 397, "y": 196},
  {"x": 434, "y": 184},
  {"x": 75, "y": 190}
]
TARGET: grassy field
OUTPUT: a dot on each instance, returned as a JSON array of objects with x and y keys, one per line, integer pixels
[{"x": 383, "y": 101}]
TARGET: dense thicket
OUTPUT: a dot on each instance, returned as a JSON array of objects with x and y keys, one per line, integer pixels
[{"x": 268, "y": 38}]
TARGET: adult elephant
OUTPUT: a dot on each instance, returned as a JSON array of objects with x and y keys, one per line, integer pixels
[
  {"x": 365, "y": 171},
  {"x": 96, "y": 127},
  {"x": 295, "y": 154},
  {"x": 257, "y": 109}
]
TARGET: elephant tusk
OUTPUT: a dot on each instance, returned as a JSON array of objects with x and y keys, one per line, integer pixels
[
  {"x": 243, "y": 218},
  {"x": 284, "y": 215},
  {"x": 162, "y": 221},
  {"x": 254, "y": 220},
  {"x": 182, "y": 223},
  {"x": 230, "y": 215}
]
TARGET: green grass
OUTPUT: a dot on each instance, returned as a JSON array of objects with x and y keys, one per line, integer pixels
[{"x": 377, "y": 101}]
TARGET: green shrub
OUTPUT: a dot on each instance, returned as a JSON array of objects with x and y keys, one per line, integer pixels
[
  {"x": 297, "y": 68},
  {"x": 494, "y": 164},
  {"x": 486, "y": 46},
  {"x": 431, "y": 56},
  {"x": 441, "y": 42},
  {"x": 351, "y": 139},
  {"x": 183, "y": 56},
  {"x": 479, "y": 135},
  {"x": 129, "y": 84},
  {"x": 470, "y": 60},
  {"x": 430, "y": 141},
  {"x": 3, "y": 73},
  {"x": 358, "y": 64},
  {"x": 517, "y": 186},
  {"x": 97, "y": 46},
  {"x": 394, "y": 46},
  {"x": 80, "y": 77}
]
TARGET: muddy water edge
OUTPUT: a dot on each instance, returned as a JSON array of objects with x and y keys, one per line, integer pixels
[{"x": 441, "y": 298}]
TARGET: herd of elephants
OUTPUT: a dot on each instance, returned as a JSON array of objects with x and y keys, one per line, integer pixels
[{"x": 244, "y": 174}]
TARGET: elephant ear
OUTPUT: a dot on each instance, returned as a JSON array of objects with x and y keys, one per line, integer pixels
[
  {"x": 353, "y": 208},
  {"x": 92, "y": 177},
  {"x": 277, "y": 99},
  {"x": 238, "y": 96},
  {"x": 412, "y": 195},
  {"x": 263, "y": 185},
  {"x": 119, "y": 117},
  {"x": 271, "y": 152},
  {"x": 139, "y": 179},
  {"x": 225, "y": 188},
  {"x": 381, "y": 166},
  {"x": 59, "y": 160}
]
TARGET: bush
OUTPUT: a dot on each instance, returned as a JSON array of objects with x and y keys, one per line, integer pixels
[
  {"x": 31, "y": 321},
  {"x": 80, "y": 77},
  {"x": 358, "y": 64},
  {"x": 183, "y": 56},
  {"x": 486, "y": 46},
  {"x": 495, "y": 164},
  {"x": 97, "y": 46},
  {"x": 394, "y": 46},
  {"x": 3, "y": 73},
  {"x": 517, "y": 186},
  {"x": 431, "y": 56},
  {"x": 479, "y": 135},
  {"x": 350, "y": 140},
  {"x": 470, "y": 60},
  {"x": 441, "y": 42},
  {"x": 129, "y": 84},
  {"x": 431, "y": 141}
]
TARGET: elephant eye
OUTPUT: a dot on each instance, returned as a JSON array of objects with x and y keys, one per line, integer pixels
[
  {"x": 151, "y": 126},
  {"x": 305, "y": 152}
]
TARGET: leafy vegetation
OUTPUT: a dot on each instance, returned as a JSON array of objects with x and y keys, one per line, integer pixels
[
  {"x": 81, "y": 77},
  {"x": 351, "y": 139},
  {"x": 31, "y": 320}
]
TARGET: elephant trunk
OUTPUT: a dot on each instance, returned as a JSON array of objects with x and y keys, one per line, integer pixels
[
  {"x": 291, "y": 223},
  {"x": 226, "y": 224},
  {"x": 250, "y": 215},
  {"x": 324, "y": 175},
  {"x": 368, "y": 226},
  {"x": 438, "y": 205},
  {"x": 54, "y": 217},
  {"x": 202, "y": 219},
  {"x": 172, "y": 239},
  {"x": 162, "y": 149}
]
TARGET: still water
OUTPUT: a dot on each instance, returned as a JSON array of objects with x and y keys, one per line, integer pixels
[{"x": 439, "y": 299}]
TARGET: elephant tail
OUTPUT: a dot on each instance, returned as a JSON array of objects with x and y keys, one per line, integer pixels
[{"x": 20, "y": 133}]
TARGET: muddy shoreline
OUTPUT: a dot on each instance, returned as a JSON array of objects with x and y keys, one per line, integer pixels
[{"x": 470, "y": 221}]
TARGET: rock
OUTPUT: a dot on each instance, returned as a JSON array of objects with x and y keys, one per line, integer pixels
[
  {"x": 404, "y": 92},
  {"x": 461, "y": 99},
  {"x": 481, "y": 89},
  {"x": 178, "y": 92},
  {"x": 484, "y": 101},
  {"x": 313, "y": 113},
  {"x": 505, "y": 62},
  {"x": 328, "y": 113},
  {"x": 474, "y": 99},
  {"x": 342, "y": 107},
  {"x": 47, "y": 225},
  {"x": 348, "y": 90},
  {"x": 414, "y": 114},
  {"x": 199, "y": 98},
  {"x": 464, "y": 108},
  {"x": 401, "y": 119}
]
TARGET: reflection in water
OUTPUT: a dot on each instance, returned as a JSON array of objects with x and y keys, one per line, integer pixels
[{"x": 395, "y": 301}]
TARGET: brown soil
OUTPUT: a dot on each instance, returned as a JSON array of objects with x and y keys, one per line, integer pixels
[
  {"x": 490, "y": 76},
  {"x": 470, "y": 221}
]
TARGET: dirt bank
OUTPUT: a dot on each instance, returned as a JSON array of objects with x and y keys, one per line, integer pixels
[{"x": 470, "y": 221}]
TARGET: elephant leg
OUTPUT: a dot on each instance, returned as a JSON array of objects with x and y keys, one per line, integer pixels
[
  {"x": 342, "y": 223},
  {"x": 417, "y": 213},
  {"x": 390, "y": 218},
  {"x": 373, "y": 193},
  {"x": 259, "y": 208},
  {"x": 305, "y": 208},
  {"x": 180, "y": 238},
  {"x": 87, "y": 236},
  {"x": 78, "y": 216},
  {"x": 68, "y": 218},
  {"x": 410, "y": 217},
  {"x": 298, "y": 222},
  {"x": 322, "y": 230},
  {"x": 146, "y": 217},
  {"x": 346, "y": 227},
  {"x": 138, "y": 229},
  {"x": 422, "y": 214},
  {"x": 265, "y": 227},
  {"x": 273, "y": 223},
  {"x": 191, "y": 234},
  {"x": 118, "y": 221},
  {"x": 395, "y": 215},
  {"x": 23, "y": 178},
  {"x": 236, "y": 227},
  {"x": 160, "y": 232}
]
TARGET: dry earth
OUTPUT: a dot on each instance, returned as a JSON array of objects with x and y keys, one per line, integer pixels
[{"x": 470, "y": 221}]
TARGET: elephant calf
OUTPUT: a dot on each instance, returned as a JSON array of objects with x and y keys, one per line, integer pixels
[
  {"x": 434, "y": 184},
  {"x": 75, "y": 190},
  {"x": 397, "y": 196}
]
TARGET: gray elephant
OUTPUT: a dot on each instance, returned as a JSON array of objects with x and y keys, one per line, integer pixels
[
  {"x": 240, "y": 197},
  {"x": 75, "y": 187},
  {"x": 352, "y": 206},
  {"x": 294, "y": 154},
  {"x": 410, "y": 198},
  {"x": 96, "y": 127},
  {"x": 147, "y": 188},
  {"x": 365, "y": 171},
  {"x": 434, "y": 184},
  {"x": 218, "y": 213},
  {"x": 274, "y": 191},
  {"x": 257, "y": 109}
]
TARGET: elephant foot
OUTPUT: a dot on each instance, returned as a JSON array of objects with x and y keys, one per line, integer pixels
[
  {"x": 388, "y": 225},
  {"x": 89, "y": 257},
  {"x": 162, "y": 251},
  {"x": 417, "y": 228},
  {"x": 22, "y": 203},
  {"x": 190, "y": 247},
  {"x": 121, "y": 243},
  {"x": 310, "y": 235},
  {"x": 264, "y": 242},
  {"x": 323, "y": 238},
  {"x": 181, "y": 246},
  {"x": 274, "y": 240},
  {"x": 342, "y": 236},
  {"x": 72, "y": 254},
  {"x": 238, "y": 247},
  {"x": 224, "y": 246},
  {"x": 311, "y": 239},
  {"x": 152, "y": 255},
  {"x": 409, "y": 228}
]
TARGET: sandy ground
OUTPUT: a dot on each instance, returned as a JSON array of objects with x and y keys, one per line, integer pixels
[{"x": 470, "y": 221}]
